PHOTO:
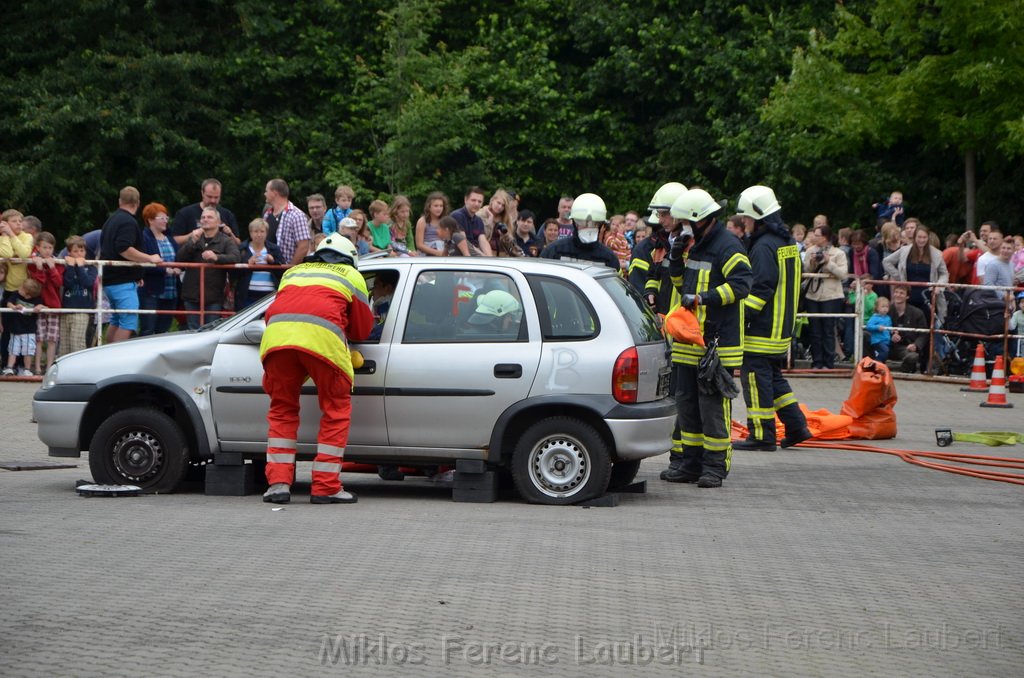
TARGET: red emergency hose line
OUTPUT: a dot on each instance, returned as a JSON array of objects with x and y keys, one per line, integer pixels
[{"x": 909, "y": 456}]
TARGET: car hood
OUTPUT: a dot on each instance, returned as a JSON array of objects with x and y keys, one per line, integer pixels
[{"x": 159, "y": 356}]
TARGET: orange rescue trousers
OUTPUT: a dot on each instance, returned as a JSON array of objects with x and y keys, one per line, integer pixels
[{"x": 284, "y": 372}]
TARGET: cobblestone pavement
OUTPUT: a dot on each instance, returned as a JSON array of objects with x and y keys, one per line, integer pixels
[{"x": 807, "y": 563}]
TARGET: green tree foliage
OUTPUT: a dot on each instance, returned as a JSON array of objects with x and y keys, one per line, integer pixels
[
  {"x": 945, "y": 74},
  {"x": 542, "y": 96}
]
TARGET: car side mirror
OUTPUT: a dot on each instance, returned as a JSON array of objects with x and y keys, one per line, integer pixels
[{"x": 253, "y": 332}]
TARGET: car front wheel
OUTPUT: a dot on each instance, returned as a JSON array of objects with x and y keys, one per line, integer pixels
[
  {"x": 561, "y": 460},
  {"x": 139, "y": 446}
]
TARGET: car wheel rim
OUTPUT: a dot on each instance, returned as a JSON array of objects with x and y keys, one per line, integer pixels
[
  {"x": 559, "y": 466},
  {"x": 138, "y": 456}
]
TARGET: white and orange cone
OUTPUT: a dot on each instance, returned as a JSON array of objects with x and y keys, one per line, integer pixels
[
  {"x": 978, "y": 383},
  {"x": 997, "y": 392}
]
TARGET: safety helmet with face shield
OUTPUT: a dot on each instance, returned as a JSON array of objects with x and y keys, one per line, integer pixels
[
  {"x": 588, "y": 214},
  {"x": 757, "y": 202},
  {"x": 336, "y": 249},
  {"x": 694, "y": 206},
  {"x": 663, "y": 199}
]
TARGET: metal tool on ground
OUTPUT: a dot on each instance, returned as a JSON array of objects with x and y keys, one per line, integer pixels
[
  {"x": 997, "y": 391},
  {"x": 87, "y": 489},
  {"x": 946, "y": 437}
]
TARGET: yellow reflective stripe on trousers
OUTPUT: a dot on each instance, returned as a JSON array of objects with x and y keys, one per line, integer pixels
[
  {"x": 282, "y": 443},
  {"x": 691, "y": 438},
  {"x": 785, "y": 400},
  {"x": 280, "y": 458},
  {"x": 327, "y": 467}
]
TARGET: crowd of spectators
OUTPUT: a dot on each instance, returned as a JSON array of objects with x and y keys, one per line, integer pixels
[{"x": 899, "y": 248}]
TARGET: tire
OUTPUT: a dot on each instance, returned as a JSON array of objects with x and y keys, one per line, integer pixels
[
  {"x": 139, "y": 446},
  {"x": 561, "y": 461},
  {"x": 623, "y": 473}
]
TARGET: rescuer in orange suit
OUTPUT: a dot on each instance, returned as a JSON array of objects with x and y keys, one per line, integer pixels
[{"x": 321, "y": 305}]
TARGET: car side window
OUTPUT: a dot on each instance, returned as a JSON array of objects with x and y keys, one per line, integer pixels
[
  {"x": 381, "y": 285},
  {"x": 565, "y": 313},
  {"x": 456, "y": 307}
]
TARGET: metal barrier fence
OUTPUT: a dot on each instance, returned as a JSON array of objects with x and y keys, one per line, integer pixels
[
  {"x": 99, "y": 310},
  {"x": 857, "y": 314},
  {"x": 933, "y": 331}
]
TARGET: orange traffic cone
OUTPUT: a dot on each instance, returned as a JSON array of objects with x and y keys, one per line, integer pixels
[
  {"x": 997, "y": 393},
  {"x": 978, "y": 383}
]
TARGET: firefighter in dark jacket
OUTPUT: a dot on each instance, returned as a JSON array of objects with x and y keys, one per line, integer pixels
[
  {"x": 588, "y": 215},
  {"x": 770, "y": 311},
  {"x": 712, "y": 280},
  {"x": 648, "y": 267}
]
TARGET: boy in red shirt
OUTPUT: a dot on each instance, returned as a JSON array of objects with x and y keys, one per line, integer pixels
[{"x": 50, "y": 276}]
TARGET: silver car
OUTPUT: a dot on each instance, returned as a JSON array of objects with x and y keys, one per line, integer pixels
[{"x": 569, "y": 396}]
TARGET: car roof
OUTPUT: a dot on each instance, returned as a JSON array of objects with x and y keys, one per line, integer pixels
[{"x": 523, "y": 264}]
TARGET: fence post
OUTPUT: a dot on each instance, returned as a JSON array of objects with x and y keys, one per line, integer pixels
[
  {"x": 202, "y": 295},
  {"x": 99, "y": 303}
]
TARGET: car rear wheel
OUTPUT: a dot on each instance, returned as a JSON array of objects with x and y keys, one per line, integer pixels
[
  {"x": 139, "y": 446},
  {"x": 623, "y": 473},
  {"x": 561, "y": 460}
]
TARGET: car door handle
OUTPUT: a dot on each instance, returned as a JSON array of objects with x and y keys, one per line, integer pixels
[
  {"x": 368, "y": 367},
  {"x": 508, "y": 371}
]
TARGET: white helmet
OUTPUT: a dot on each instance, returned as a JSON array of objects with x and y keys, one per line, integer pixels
[
  {"x": 344, "y": 250},
  {"x": 663, "y": 199},
  {"x": 588, "y": 213},
  {"x": 694, "y": 205},
  {"x": 757, "y": 202}
]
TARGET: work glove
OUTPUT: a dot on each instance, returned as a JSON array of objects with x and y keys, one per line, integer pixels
[
  {"x": 675, "y": 253},
  {"x": 690, "y": 301}
]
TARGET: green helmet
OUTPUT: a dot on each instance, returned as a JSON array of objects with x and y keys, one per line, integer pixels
[
  {"x": 663, "y": 199},
  {"x": 694, "y": 205},
  {"x": 337, "y": 249},
  {"x": 757, "y": 202},
  {"x": 494, "y": 304}
]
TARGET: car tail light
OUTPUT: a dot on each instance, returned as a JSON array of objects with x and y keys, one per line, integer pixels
[{"x": 626, "y": 376}]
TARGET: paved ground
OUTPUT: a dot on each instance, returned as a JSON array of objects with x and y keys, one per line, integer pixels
[{"x": 809, "y": 562}]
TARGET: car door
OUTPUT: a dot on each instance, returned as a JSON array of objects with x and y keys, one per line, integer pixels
[
  {"x": 449, "y": 377},
  {"x": 240, "y": 404}
]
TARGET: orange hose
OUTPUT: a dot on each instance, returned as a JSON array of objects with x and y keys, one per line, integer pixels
[{"x": 918, "y": 459}]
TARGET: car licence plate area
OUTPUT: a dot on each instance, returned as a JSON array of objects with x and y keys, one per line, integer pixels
[{"x": 663, "y": 381}]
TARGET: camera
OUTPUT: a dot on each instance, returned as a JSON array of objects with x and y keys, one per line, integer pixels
[{"x": 501, "y": 227}]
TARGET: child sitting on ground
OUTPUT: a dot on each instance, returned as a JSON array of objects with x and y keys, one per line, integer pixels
[
  {"x": 878, "y": 337},
  {"x": 50, "y": 275},
  {"x": 27, "y": 302}
]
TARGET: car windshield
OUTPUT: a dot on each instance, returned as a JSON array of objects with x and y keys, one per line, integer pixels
[{"x": 641, "y": 320}]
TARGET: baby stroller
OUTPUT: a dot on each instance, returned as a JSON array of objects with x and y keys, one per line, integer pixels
[{"x": 980, "y": 311}]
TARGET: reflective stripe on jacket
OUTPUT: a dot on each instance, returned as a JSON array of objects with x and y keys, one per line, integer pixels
[
  {"x": 718, "y": 270},
  {"x": 771, "y": 307},
  {"x": 318, "y": 308}
]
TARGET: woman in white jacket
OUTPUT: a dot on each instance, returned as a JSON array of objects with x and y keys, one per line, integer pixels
[
  {"x": 920, "y": 262},
  {"x": 824, "y": 295}
]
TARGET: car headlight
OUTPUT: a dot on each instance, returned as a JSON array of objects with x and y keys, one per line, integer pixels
[{"x": 50, "y": 378}]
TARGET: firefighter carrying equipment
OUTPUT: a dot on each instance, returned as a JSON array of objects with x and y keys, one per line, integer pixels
[{"x": 681, "y": 324}]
